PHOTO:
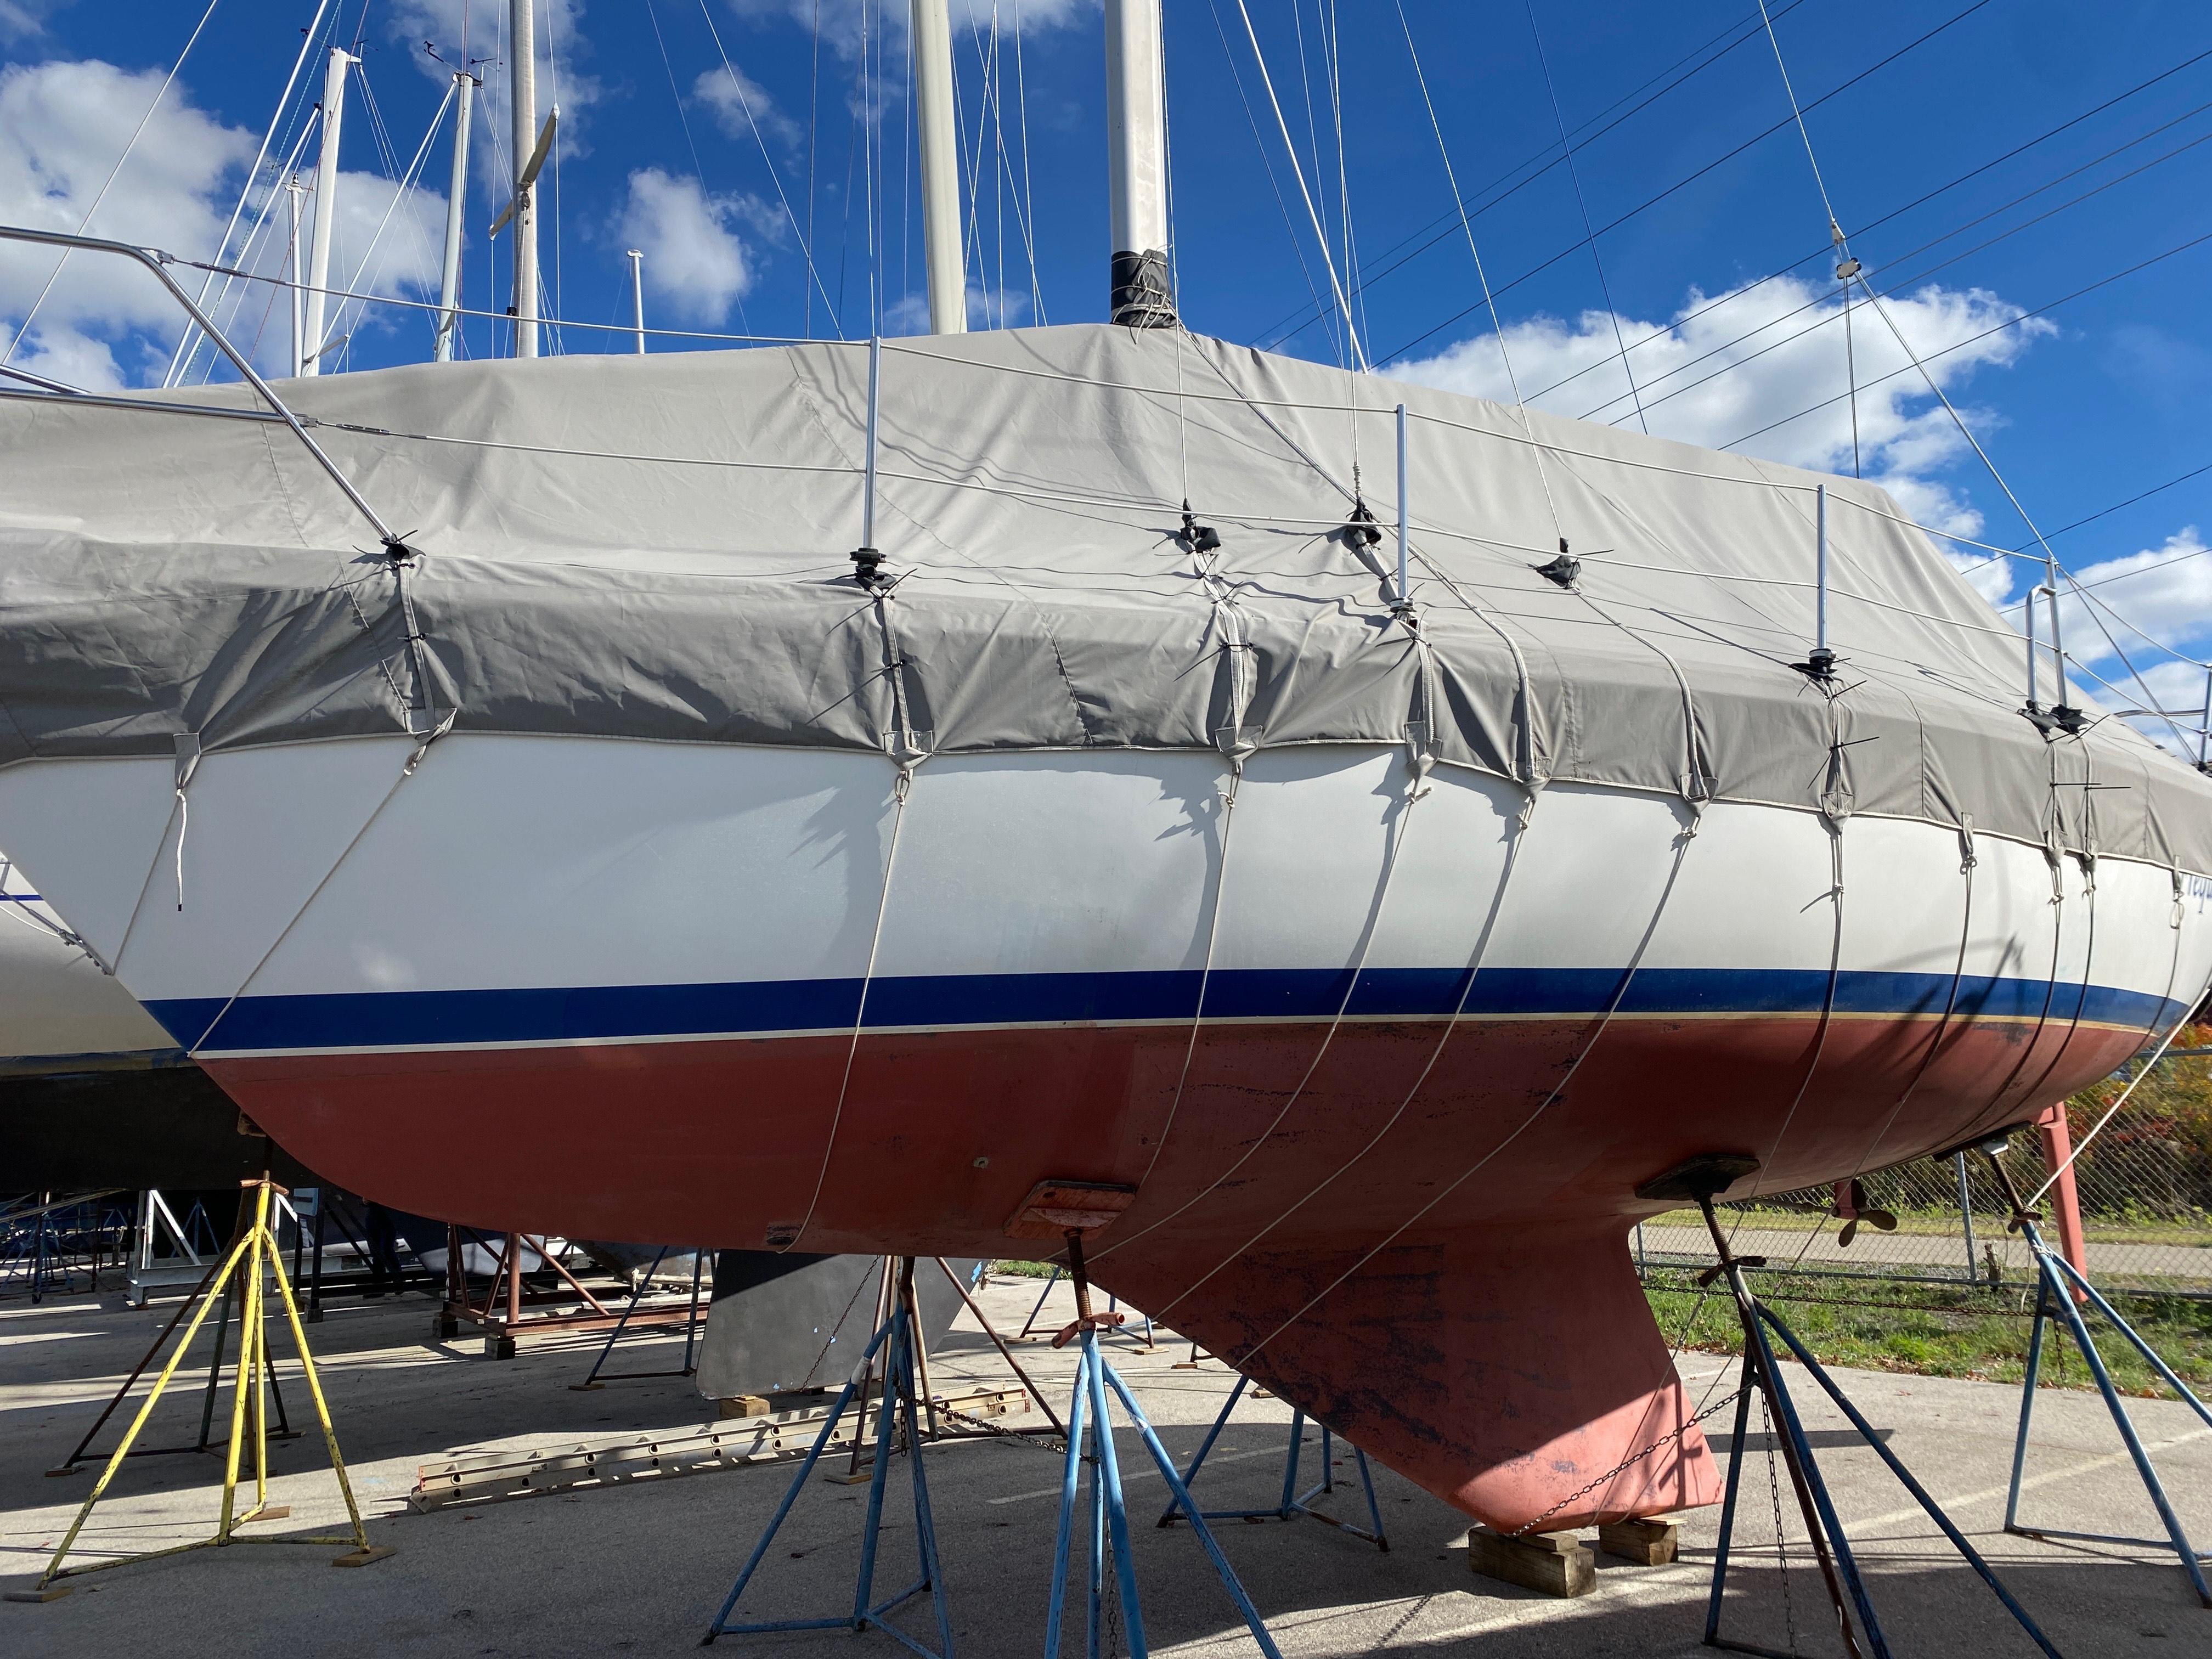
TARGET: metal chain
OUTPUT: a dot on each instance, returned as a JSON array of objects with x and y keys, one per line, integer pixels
[
  {"x": 1626, "y": 1463},
  {"x": 1781, "y": 1539}
]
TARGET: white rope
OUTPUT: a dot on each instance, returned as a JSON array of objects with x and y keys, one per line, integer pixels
[
  {"x": 1205, "y": 978},
  {"x": 1419, "y": 789},
  {"x": 1518, "y": 834},
  {"x": 1636, "y": 960},
  {"x": 54, "y": 275},
  {"x": 900, "y": 791},
  {"x": 2148, "y": 1066}
]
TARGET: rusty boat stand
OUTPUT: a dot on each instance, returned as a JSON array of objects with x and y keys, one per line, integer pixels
[
  {"x": 252, "y": 1263},
  {"x": 2060, "y": 1292},
  {"x": 1700, "y": 1181}
]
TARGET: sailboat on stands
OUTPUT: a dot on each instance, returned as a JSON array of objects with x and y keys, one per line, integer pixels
[{"x": 803, "y": 798}]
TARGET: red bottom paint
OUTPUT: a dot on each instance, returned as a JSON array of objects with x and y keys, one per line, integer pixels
[{"x": 1423, "y": 1246}]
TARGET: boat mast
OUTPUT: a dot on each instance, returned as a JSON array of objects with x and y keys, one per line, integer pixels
[
  {"x": 522, "y": 58},
  {"x": 931, "y": 35},
  {"x": 449, "y": 277},
  {"x": 294, "y": 189},
  {"x": 1136, "y": 166},
  {"x": 326, "y": 215}
]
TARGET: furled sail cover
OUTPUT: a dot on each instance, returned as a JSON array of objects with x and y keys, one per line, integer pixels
[{"x": 657, "y": 547}]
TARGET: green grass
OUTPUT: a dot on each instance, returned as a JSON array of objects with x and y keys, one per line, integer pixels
[
  {"x": 1021, "y": 1270},
  {"x": 1944, "y": 1223},
  {"x": 1937, "y": 1330}
]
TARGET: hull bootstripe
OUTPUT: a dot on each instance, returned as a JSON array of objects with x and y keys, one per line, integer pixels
[{"x": 348, "y": 1021}]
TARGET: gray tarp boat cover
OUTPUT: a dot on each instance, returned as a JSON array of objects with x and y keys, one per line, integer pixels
[{"x": 658, "y": 547}]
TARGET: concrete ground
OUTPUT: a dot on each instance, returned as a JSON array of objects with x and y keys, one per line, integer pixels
[{"x": 640, "y": 1569}]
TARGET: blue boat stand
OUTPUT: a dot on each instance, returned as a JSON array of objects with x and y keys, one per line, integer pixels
[
  {"x": 1090, "y": 1440},
  {"x": 1701, "y": 1181},
  {"x": 1112, "y": 1305},
  {"x": 1293, "y": 1502},
  {"x": 895, "y": 1421},
  {"x": 2056, "y": 1281}
]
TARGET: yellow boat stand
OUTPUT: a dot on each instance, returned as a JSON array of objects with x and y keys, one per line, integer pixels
[{"x": 254, "y": 1256}]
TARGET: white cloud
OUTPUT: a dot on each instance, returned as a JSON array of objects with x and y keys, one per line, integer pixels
[
  {"x": 62, "y": 126},
  {"x": 987, "y": 308},
  {"x": 2165, "y": 592},
  {"x": 740, "y": 103},
  {"x": 842, "y": 20},
  {"x": 106, "y": 322},
  {"x": 22, "y": 19},
  {"x": 65, "y": 354},
  {"x": 1733, "y": 369},
  {"x": 693, "y": 262}
]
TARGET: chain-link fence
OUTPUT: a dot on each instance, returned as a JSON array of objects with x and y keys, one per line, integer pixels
[{"x": 2145, "y": 1187}]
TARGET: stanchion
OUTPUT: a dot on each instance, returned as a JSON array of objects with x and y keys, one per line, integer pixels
[
  {"x": 896, "y": 1418},
  {"x": 1090, "y": 1440},
  {"x": 2057, "y": 1286},
  {"x": 1700, "y": 1181},
  {"x": 255, "y": 1256},
  {"x": 1293, "y": 1502}
]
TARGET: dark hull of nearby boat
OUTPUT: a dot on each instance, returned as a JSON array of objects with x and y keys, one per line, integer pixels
[{"x": 108, "y": 1121}]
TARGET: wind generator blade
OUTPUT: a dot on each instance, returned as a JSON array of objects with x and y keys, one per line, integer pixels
[{"x": 530, "y": 170}]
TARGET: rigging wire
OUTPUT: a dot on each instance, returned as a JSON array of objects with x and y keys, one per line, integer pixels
[
  {"x": 1029, "y": 194},
  {"x": 129, "y": 146},
  {"x": 1496, "y": 327},
  {"x": 1688, "y": 179},
  {"x": 1574, "y": 177},
  {"x": 1927, "y": 197},
  {"x": 1443, "y": 224},
  {"x": 1328, "y": 259},
  {"x": 1266, "y": 159},
  {"x": 1916, "y": 363},
  {"x": 775, "y": 178},
  {"x": 1921, "y": 275},
  {"x": 244, "y": 251},
  {"x": 400, "y": 192},
  {"x": 189, "y": 339},
  {"x": 1881, "y": 310}
]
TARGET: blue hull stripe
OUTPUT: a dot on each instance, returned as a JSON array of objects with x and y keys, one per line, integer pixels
[{"x": 405, "y": 1019}]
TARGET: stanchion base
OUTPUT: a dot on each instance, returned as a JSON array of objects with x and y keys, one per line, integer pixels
[
  {"x": 362, "y": 1557},
  {"x": 44, "y": 1593}
]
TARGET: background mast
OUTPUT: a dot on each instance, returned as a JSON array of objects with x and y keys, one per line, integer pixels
[
  {"x": 1137, "y": 166},
  {"x": 932, "y": 37}
]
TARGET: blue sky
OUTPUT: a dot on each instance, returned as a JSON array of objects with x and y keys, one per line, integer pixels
[{"x": 2096, "y": 399}]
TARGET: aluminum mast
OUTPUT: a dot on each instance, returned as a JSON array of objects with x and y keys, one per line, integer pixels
[
  {"x": 449, "y": 276},
  {"x": 522, "y": 56},
  {"x": 1136, "y": 166},
  {"x": 326, "y": 216},
  {"x": 940, "y": 167}
]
